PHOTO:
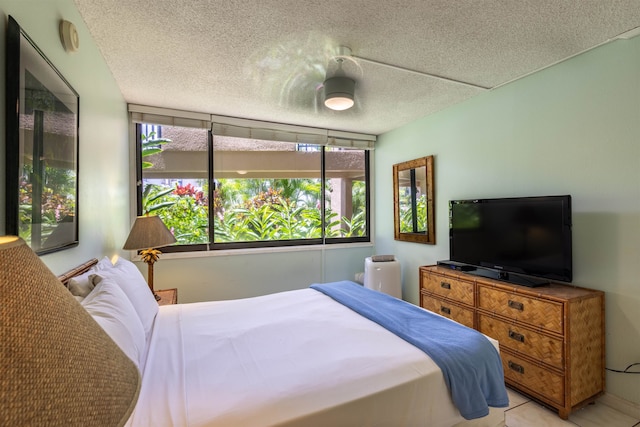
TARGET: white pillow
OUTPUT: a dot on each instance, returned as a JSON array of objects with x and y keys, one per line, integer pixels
[
  {"x": 110, "y": 307},
  {"x": 131, "y": 281},
  {"x": 82, "y": 284},
  {"x": 103, "y": 264}
]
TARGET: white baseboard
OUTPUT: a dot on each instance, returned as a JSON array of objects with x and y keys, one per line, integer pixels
[{"x": 621, "y": 405}]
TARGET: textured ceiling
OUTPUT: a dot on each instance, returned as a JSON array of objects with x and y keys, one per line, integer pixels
[{"x": 267, "y": 59}]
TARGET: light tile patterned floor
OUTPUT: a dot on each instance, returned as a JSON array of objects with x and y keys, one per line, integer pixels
[{"x": 523, "y": 412}]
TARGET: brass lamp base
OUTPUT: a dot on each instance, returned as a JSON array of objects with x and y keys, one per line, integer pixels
[{"x": 150, "y": 256}]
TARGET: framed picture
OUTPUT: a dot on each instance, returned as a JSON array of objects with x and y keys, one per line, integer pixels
[{"x": 42, "y": 147}]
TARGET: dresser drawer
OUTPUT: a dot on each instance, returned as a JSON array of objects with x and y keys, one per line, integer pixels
[
  {"x": 543, "y": 381},
  {"x": 536, "y": 312},
  {"x": 452, "y": 311},
  {"x": 449, "y": 287},
  {"x": 539, "y": 346}
]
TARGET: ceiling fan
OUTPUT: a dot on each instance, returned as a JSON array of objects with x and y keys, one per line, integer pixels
[{"x": 339, "y": 89}]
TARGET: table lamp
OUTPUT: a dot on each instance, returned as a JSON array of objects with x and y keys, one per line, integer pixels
[
  {"x": 59, "y": 367},
  {"x": 147, "y": 234}
]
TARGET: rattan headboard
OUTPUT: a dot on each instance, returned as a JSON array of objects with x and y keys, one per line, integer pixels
[{"x": 64, "y": 278}]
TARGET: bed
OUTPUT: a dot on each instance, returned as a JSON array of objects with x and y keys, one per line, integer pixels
[{"x": 296, "y": 358}]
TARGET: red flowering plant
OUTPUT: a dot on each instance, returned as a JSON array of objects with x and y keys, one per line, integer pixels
[{"x": 190, "y": 191}]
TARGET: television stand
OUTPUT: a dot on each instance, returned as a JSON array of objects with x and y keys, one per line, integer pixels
[
  {"x": 509, "y": 277},
  {"x": 552, "y": 338}
]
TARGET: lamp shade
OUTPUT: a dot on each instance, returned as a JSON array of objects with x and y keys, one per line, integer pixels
[
  {"x": 59, "y": 367},
  {"x": 148, "y": 232},
  {"x": 338, "y": 93}
]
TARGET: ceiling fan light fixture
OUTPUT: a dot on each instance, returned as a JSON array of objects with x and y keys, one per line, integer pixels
[{"x": 338, "y": 93}]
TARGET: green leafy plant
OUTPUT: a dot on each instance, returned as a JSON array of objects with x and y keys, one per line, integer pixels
[
  {"x": 267, "y": 215},
  {"x": 356, "y": 226},
  {"x": 406, "y": 215},
  {"x": 151, "y": 145},
  {"x": 154, "y": 198},
  {"x": 56, "y": 201}
]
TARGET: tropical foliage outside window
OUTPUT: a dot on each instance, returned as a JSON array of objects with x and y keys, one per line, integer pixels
[
  {"x": 57, "y": 202},
  {"x": 264, "y": 191},
  {"x": 406, "y": 213}
]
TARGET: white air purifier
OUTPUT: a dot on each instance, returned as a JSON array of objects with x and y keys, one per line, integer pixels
[{"x": 383, "y": 276}]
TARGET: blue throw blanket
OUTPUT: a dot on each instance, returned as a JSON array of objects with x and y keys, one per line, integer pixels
[{"x": 469, "y": 362}]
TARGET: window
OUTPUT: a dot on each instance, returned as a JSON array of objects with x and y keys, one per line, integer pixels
[
  {"x": 174, "y": 179},
  {"x": 224, "y": 187},
  {"x": 266, "y": 191},
  {"x": 346, "y": 187}
]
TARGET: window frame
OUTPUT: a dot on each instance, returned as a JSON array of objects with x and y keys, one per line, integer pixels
[{"x": 211, "y": 246}]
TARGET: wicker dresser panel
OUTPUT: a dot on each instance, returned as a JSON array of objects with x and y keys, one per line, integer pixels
[
  {"x": 544, "y": 382},
  {"x": 536, "y": 312},
  {"x": 587, "y": 336},
  {"x": 449, "y": 287},
  {"x": 453, "y": 311},
  {"x": 541, "y": 347}
]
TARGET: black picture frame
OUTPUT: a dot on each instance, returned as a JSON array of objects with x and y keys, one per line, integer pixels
[{"x": 42, "y": 123}]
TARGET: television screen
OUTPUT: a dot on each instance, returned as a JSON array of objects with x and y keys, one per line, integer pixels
[{"x": 527, "y": 235}]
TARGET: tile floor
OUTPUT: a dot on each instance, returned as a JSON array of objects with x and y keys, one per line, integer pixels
[{"x": 523, "y": 412}]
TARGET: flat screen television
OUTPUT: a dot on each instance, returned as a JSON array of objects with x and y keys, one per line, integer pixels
[{"x": 526, "y": 240}]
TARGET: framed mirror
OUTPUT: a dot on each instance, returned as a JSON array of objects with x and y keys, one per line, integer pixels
[
  {"x": 42, "y": 118},
  {"x": 413, "y": 201}
]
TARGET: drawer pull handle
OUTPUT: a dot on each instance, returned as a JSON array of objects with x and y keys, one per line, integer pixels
[
  {"x": 445, "y": 285},
  {"x": 515, "y": 367},
  {"x": 516, "y": 336},
  {"x": 516, "y": 305},
  {"x": 445, "y": 310}
]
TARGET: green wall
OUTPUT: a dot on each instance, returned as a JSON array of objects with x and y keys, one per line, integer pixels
[{"x": 573, "y": 129}]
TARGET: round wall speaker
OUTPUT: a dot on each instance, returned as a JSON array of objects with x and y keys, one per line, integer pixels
[{"x": 69, "y": 36}]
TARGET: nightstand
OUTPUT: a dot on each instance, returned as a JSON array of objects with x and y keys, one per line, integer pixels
[{"x": 167, "y": 296}]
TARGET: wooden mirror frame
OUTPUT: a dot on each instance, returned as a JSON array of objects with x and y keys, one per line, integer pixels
[{"x": 428, "y": 236}]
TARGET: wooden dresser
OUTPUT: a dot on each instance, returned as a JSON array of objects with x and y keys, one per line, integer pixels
[{"x": 551, "y": 337}]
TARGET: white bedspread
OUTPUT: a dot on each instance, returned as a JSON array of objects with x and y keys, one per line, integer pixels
[{"x": 295, "y": 358}]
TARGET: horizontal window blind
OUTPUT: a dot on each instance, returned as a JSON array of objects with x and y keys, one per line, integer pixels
[
  {"x": 223, "y": 129},
  {"x": 167, "y": 117},
  {"x": 351, "y": 140},
  {"x": 251, "y": 129}
]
